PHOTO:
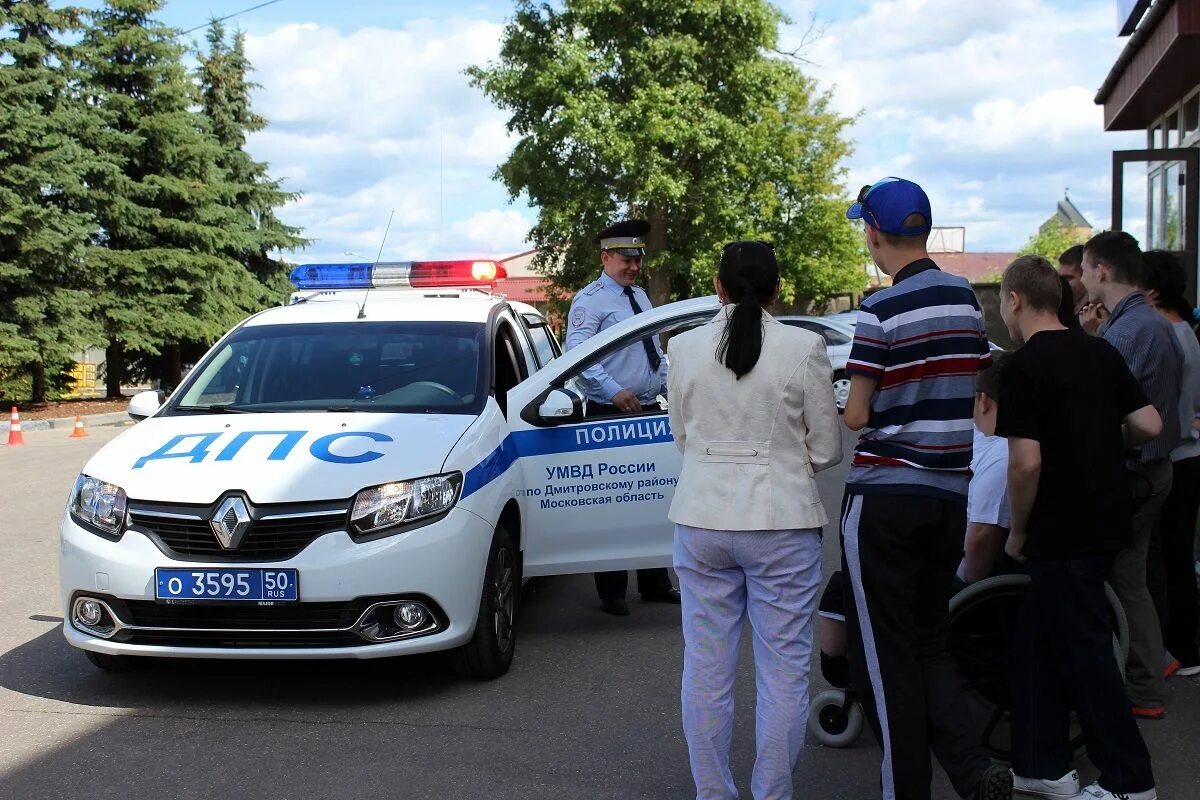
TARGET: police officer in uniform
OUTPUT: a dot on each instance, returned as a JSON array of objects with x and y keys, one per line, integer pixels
[{"x": 624, "y": 382}]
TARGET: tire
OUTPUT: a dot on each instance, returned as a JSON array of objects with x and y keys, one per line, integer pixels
[
  {"x": 489, "y": 653},
  {"x": 110, "y": 663},
  {"x": 841, "y": 390},
  {"x": 832, "y": 722}
]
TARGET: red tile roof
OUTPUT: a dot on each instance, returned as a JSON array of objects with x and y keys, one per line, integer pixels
[
  {"x": 975, "y": 267},
  {"x": 524, "y": 289}
]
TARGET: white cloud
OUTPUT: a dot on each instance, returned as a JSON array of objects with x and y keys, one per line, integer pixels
[
  {"x": 376, "y": 119},
  {"x": 988, "y": 105}
]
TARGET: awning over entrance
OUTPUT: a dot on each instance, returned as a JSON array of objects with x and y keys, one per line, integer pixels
[{"x": 1159, "y": 65}]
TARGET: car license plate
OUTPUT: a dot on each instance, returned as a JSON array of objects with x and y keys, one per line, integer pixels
[{"x": 269, "y": 585}]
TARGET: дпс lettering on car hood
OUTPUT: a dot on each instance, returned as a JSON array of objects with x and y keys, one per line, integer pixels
[{"x": 275, "y": 458}]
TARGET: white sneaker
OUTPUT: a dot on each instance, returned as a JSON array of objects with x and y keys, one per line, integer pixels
[
  {"x": 1066, "y": 787},
  {"x": 1188, "y": 672},
  {"x": 1098, "y": 792}
]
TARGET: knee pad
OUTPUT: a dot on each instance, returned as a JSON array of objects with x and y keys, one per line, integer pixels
[{"x": 836, "y": 670}]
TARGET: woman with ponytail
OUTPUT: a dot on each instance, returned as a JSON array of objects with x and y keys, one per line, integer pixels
[{"x": 752, "y": 410}]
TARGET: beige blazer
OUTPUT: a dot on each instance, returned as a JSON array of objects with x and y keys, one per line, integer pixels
[{"x": 751, "y": 446}]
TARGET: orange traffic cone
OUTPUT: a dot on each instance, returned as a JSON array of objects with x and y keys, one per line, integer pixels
[
  {"x": 14, "y": 429},
  {"x": 78, "y": 432}
]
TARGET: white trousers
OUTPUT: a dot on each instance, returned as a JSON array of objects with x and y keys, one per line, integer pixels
[{"x": 771, "y": 577}]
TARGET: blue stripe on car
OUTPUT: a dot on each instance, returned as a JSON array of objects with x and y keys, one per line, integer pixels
[{"x": 548, "y": 441}]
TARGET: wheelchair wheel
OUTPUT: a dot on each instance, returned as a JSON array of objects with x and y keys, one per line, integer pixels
[
  {"x": 982, "y": 620},
  {"x": 833, "y": 720}
]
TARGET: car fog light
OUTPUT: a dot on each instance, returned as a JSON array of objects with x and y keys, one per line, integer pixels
[
  {"x": 90, "y": 612},
  {"x": 409, "y": 616}
]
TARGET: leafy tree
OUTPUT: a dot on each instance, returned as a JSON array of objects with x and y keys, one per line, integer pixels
[
  {"x": 1052, "y": 239},
  {"x": 169, "y": 218},
  {"x": 44, "y": 300},
  {"x": 225, "y": 93},
  {"x": 682, "y": 111}
]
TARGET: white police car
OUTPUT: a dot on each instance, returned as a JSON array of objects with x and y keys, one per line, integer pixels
[{"x": 366, "y": 472}]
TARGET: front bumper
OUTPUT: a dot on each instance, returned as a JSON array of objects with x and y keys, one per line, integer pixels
[{"x": 440, "y": 565}]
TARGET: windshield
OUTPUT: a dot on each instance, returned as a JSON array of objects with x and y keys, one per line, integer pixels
[{"x": 393, "y": 367}]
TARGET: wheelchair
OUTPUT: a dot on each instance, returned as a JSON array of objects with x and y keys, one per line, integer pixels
[{"x": 983, "y": 617}]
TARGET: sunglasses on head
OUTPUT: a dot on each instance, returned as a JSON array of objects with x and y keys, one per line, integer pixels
[{"x": 866, "y": 208}]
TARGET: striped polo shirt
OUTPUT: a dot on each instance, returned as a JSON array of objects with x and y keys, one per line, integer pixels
[{"x": 923, "y": 339}]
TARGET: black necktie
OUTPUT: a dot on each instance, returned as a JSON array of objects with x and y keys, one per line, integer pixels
[{"x": 651, "y": 351}]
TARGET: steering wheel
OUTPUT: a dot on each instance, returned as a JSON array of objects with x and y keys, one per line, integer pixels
[{"x": 440, "y": 387}]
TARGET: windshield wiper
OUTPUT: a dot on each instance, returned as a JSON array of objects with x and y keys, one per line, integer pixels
[
  {"x": 219, "y": 408},
  {"x": 341, "y": 409}
]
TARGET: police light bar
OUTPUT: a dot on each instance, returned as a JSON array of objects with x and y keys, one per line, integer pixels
[{"x": 398, "y": 275}]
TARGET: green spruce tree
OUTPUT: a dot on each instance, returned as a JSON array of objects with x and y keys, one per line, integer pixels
[
  {"x": 225, "y": 91},
  {"x": 168, "y": 219},
  {"x": 45, "y": 302}
]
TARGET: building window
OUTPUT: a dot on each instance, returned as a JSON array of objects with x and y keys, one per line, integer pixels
[
  {"x": 1154, "y": 215},
  {"x": 1173, "y": 207},
  {"x": 1191, "y": 120},
  {"x": 1171, "y": 127}
]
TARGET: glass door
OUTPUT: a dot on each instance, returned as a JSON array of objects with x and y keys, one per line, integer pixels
[{"x": 1156, "y": 198}]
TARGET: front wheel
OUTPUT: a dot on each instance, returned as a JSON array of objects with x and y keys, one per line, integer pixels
[
  {"x": 841, "y": 390},
  {"x": 834, "y": 720},
  {"x": 489, "y": 653}
]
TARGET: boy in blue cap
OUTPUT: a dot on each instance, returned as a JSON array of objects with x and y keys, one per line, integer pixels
[{"x": 917, "y": 348}]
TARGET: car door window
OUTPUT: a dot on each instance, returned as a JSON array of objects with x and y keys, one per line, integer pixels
[
  {"x": 834, "y": 337},
  {"x": 664, "y": 331},
  {"x": 545, "y": 347}
]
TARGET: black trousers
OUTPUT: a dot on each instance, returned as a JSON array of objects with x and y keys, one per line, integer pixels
[
  {"x": 1063, "y": 660},
  {"x": 900, "y": 554},
  {"x": 612, "y": 585},
  {"x": 1170, "y": 566}
]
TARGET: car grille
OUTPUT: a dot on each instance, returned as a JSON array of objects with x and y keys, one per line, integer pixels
[
  {"x": 247, "y": 625},
  {"x": 149, "y": 614},
  {"x": 242, "y": 626},
  {"x": 271, "y": 536}
]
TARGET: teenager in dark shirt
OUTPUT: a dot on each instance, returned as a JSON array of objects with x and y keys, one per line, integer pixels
[{"x": 1069, "y": 407}]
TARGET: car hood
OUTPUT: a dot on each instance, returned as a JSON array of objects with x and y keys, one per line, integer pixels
[{"x": 274, "y": 458}]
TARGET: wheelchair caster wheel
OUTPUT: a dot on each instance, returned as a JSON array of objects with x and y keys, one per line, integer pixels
[{"x": 832, "y": 721}]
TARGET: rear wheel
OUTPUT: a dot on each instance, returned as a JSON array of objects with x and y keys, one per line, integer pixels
[
  {"x": 109, "y": 662},
  {"x": 490, "y": 651},
  {"x": 841, "y": 389}
]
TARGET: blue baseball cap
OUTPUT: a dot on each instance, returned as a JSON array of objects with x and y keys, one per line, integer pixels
[{"x": 885, "y": 204}]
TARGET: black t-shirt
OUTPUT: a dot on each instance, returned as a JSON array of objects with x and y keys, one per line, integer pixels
[{"x": 1071, "y": 393}]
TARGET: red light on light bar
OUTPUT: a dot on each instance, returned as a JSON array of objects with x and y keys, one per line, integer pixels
[{"x": 446, "y": 274}]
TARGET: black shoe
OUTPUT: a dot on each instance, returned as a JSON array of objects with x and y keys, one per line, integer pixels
[
  {"x": 615, "y": 606},
  {"x": 996, "y": 784},
  {"x": 669, "y": 596}
]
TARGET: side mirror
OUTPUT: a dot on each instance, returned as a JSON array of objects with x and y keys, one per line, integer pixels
[
  {"x": 561, "y": 405},
  {"x": 144, "y": 404}
]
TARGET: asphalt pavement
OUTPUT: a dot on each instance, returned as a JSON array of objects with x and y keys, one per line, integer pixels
[{"x": 590, "y": 708}]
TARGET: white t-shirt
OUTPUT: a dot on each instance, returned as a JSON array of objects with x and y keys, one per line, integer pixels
[{"x": 987, "y": 497}]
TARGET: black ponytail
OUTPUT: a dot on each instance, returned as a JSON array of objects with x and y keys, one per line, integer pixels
[{"x": 750, "y": 275}]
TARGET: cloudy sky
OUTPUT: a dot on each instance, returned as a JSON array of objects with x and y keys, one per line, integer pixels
[{"x": 986, "y": 104}]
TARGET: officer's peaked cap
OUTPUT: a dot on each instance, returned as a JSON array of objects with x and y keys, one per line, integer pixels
[{"x": 627, "y": 238}]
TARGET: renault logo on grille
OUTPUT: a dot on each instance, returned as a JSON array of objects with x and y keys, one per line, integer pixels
[{"x": 231, "y": 522}]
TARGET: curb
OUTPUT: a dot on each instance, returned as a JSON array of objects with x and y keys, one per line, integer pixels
[{"x": 114, "y": 419}]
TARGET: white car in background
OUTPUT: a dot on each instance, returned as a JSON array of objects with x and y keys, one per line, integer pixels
[{"x": 838, "y": 332}]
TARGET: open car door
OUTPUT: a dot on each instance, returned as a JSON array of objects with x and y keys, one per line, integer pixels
[{"x": 597, "y": 491}]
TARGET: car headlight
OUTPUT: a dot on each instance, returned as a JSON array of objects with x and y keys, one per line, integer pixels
[
  {"x": 400, "y": 504},
  {"x": 98, "y": 506}
]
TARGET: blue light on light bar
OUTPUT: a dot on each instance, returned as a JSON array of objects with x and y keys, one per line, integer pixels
[{"x": 331, "y": 276}]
